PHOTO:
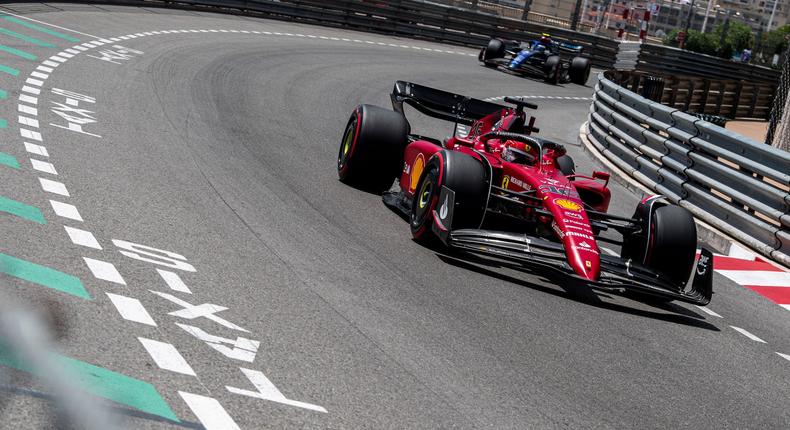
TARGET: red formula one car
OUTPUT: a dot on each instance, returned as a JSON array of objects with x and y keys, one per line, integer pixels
[{"x": 505, "y": 194}]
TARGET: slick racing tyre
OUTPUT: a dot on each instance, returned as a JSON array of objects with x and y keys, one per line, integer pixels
[
  {"x": 551, "y": 70},
  {"x": 580, "y": 70},
  {"x": 494, "y": 49},
  {"x": 466, "y": 177},
  {"x": 371, "y": 150},
  {"x": 673, "y": 244}
]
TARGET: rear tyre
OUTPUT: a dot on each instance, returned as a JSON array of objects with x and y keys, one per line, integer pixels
[
  {"x": 551, "y": 70},
  {"x": 673, "y": 245},
  {"x": 371, "y": 150},
  {"x": 462, "y": 174},
  {"x": 580, "y": 70}
]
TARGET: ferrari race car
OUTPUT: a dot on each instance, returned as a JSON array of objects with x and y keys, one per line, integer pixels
[
  {"x": 502, "y": 194},
  {"x": 556, "y": 62}
]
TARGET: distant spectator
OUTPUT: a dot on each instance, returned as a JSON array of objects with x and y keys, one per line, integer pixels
[{"x": 746, "y": 55}]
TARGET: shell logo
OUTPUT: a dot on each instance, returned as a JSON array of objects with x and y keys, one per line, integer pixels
[
  {"x": 416, "y": 171},
  {"x": 567, "y": 204}
]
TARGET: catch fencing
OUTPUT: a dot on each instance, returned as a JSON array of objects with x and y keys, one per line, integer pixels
[
  {"x": 735, "y": 184},
  {"x": 726, "y": 98},
  {"x": 465, "y": 26}
]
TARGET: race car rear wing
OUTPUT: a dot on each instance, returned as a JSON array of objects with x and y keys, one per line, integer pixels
[{"x": 441, "y": 104}]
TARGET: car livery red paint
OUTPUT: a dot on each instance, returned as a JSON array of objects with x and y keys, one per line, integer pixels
[{"x": 501, "y": 193}]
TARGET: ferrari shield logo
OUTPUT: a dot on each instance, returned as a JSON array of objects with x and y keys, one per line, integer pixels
[{"x": 567, "y": 204}]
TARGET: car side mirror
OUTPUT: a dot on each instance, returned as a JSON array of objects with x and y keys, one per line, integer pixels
[{"x": 601, "y": 175}]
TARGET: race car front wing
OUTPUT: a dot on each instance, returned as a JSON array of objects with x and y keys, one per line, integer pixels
[{"x": 617, "y": 274}]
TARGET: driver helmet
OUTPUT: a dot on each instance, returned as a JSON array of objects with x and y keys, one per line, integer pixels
[
  {"x": 517, "y": 152},
  {"x": 545, "y": 39}
]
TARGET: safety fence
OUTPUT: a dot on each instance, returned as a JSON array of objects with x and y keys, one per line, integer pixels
[
  {"x": 733, "y": 183},
  {"x": 674, "y": 61},
  {"x": 464, "y": 26},
  {"x": 693, "y": 94}
]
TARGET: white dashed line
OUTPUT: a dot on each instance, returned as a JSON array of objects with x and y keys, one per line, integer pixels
[
  {"x": 36, "y": 149},
  {"x": 43, "y": 166},
  {"x": 30, "y": 122},
  {"x": 65, "y": 210},
  {"x": 58, "y": 59},
  {"x": 54, "y": 187},
  {"x": 747, "y": 334},
  {"x": 82, "y": 237},
  {"x": 39, "y": 75},
  {"x": 209, "y": 411},
  {"x": 28, "y": 110},
  {"x": 31, "y": 90},
  {"x": 785, "y": 356},
  {"x": 166, "y": 356},
  {"x": 30, "y": 134},
  {"x": 131, "y": 309},
  {"x": 709, "y": 311},
  {"x": 174, "y": 281},
  {"x": 104, "y": 271},
  {"x": 28, "y": 99}
]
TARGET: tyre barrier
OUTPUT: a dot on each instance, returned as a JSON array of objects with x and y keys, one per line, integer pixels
[{"x": 735, "y": 184}]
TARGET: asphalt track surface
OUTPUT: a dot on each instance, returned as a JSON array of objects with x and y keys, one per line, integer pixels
[{"x": 221, "y": 147}]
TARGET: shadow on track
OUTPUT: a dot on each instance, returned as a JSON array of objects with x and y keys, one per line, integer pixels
[{"x": 573, "y": 290}]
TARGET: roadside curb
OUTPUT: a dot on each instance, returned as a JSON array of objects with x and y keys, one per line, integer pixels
[{"x": 718, "y": 240}]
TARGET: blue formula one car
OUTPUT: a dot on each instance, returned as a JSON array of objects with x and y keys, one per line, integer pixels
[{"x": 556, "y": 62}]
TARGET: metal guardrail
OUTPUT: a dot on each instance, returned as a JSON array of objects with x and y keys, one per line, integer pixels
[
  {"x": 423, "y": 19},
  {"x": 713, "y": 96},
  {"x": 737, "y": 185}
]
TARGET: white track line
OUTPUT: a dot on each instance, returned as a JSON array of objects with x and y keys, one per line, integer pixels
[
  {"x": 131, "y": 309},
  {"x": 209, "y": 411},
  {"x": 36, "y": 149},
  {"x": 166, "y": 356},
  {"x": 48, "y": 24},
  {"x": 174, "y": 281},
  {"x": 709, "y": 312},
  {"x": 785, "y": 356},
  {"x": 747, "y": 334},
  {"x": 82, "y": 237},
  {"x": 54, "y": 187},
  {"x": 43, "y": 166},
  {"x": 104, "y": 271},
  {"x": 65, "y": 210}
]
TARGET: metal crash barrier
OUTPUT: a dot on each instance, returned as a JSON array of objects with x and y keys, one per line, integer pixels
[{"x": 733, "y": 183}]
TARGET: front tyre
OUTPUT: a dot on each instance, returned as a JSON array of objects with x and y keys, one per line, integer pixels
[
  {"x": 462, "y": 174},
  {"x": 552, "y": 70},
  {"x": 371, "y": 150}
]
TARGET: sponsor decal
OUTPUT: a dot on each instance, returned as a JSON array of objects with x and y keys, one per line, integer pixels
[
  {"x": 568, "y": 204},
  {"x": 573, "y": 221},
  {"x": 702, "y": 264},
  {"x": 443, "y": 210},
  {"x": 416, "y": 171},
  {"x": 585, "y": 245},
  {"x": 515, "y": 181},
  {"x": 584, "y": 229},
  {"x": 564, "y": 190},
  {"x": 588, "y": 264},
  {"x": 574, "y": 215},
  {"x": 577, "y": 234}
]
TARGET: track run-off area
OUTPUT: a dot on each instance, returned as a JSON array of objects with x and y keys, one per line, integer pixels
[{"x": 169, "y": 192}]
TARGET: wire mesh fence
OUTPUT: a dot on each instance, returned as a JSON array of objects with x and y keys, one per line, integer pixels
[{"x": 779, "y": 121}]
